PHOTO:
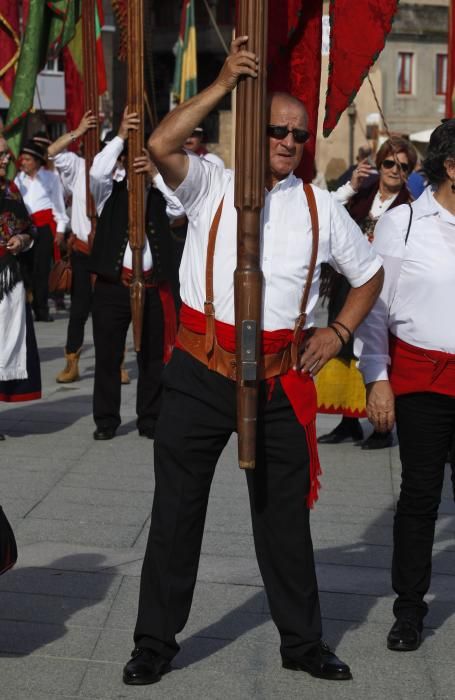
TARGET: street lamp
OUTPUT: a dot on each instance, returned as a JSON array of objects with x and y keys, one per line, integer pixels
[{"x": 352, "y": 114}]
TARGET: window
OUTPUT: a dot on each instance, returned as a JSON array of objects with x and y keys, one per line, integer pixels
[
  {"x": 441, "y": 74},
  {"x": 55, "y": 65},
  {"x": 405, "y": 73}
]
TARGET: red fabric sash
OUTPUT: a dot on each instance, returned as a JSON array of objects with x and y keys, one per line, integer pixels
[
  {"x": 415, "y": 369},
  {"x": 170, "y": 319},
  {"x": 46, "y": 218},
  {"x": 298, "y": 387}
]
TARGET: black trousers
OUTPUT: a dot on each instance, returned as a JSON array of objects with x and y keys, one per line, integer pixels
[
  {"x": 196, "y": 420},
  {"x": 111, "y": 316},
  {"x": 81, "y": 301},
  {"x": 41, "y": 256},
  {"x": 426, "y": 428}
]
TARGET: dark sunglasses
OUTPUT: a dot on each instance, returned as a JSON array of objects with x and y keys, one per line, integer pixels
[
  {"x": 280, "y": 132},
  {"x": 388, "y": 165}
]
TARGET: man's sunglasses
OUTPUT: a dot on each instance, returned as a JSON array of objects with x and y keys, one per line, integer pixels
[
  {"x": 280, "y": 132},
  {"x": 389, "y": 163}
]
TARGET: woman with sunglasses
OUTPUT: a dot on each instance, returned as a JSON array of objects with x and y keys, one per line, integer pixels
[
  {"x": 407, "y": 357},
  {"x": 20, "y": 378},
  {"x": 340, "y": 386}
]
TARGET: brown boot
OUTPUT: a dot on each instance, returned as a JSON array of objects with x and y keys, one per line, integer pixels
[
  {"x": 71, "y": 371},
  {"x": 124, "y": 376}
]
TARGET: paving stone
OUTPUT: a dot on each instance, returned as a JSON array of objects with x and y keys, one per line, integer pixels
[
  {"x": 85, "y": 530},
  {"x": 27, "y": 675},
  {"x": 69, "y": 607}
]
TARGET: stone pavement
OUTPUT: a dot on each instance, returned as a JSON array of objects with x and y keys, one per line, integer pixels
[{"x": 80, "y": 511}]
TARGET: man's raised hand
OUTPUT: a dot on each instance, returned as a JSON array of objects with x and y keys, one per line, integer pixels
[{"x": 240, "y": 62}]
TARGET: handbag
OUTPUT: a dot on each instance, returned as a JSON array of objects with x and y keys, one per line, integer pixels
[
  {"x": 8, "y": 547},
  {"x": 60, "y": 277}
]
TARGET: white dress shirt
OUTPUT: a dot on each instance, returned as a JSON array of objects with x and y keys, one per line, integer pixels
[
  {"x": 417, "y": 299},
  {"x": 102, "y": 175},
  {"x": 44, "y": 191},
  {"x": 379, "y": 206},
  {"x": 72, "y": 173},
  {"x": 285, "y": 245}
]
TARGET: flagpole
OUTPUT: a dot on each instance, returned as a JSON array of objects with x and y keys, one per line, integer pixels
[
  {"x": 249, "y": 200},
  {"x": 450, "y": 62},
  {"x": 90, "y": 77},
  {"x": 136, "y": 199}
]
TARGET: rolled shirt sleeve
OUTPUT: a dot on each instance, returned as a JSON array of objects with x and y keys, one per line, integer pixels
[
  {"x": 174, "y": 208},
  {"x": 102, "y": 170},
  {"x": 350, "y": 253}
]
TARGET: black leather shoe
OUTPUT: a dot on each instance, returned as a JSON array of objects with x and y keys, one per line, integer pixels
[
  {"x": 320, "y": 663},
  {"x": 2, "y": 437},
  {"x": 145, "y": 667},
  {"x": 148, "y": 433},
  {"x": 405, "y": 635},
  {"x": 378, "y": 441},
  {"x": 346, "y": 431},
  {"x": 104, "y": 434}
]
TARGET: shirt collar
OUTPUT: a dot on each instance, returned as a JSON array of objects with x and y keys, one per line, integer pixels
[
  {"x": 283, "y": 185},
  {"x": 426, "y": 205}
]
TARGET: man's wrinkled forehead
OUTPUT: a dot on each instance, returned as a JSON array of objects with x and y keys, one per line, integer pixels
[{"x": 284, "y": 108}]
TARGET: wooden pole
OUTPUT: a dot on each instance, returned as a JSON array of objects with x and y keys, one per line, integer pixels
[
  {"x": 92, "y": 136},
  {"x": 450, "y": 62},
  {"x": 136, "y": 195},
  {"x": 249, "y": 200}
]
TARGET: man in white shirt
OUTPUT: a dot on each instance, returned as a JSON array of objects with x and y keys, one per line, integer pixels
[
  {"x": 42, "y": 193},
  {"x": 198, "y": 411},
  {"x": 71, "y": 169}
]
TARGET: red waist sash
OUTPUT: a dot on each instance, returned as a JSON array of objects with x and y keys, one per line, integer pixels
[
  {"x": 298, "y": 387},
  {"x": 415, "y": 369},
  {"x": 46, "y": 218}
]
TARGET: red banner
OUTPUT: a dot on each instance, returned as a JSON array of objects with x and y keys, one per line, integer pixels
[
  {"x": 358, "y": 34},
  {"x": 9, "y": 44}
]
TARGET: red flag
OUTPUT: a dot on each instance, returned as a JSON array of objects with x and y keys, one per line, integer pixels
[
  {"x": 9, "y": 44},
  {"x": 358, "y": 34},
  {"x": 294, "y": 61},
  {"x": 73, "y": 64}
]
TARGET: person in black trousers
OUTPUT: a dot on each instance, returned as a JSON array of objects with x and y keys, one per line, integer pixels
[{"x": 111, "y": 260}]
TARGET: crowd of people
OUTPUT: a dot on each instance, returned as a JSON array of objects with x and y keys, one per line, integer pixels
[{"x": 385, "y": 265}]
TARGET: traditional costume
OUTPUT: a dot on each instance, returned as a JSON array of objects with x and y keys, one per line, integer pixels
[
  {"x": 198, "y": 414},
  {"x": 43, "y": 197},
  {"x": 111, "y": 260},
  {"x": 20, "y": 377},
  {"x": 409, "y": 338},
  {"x": 339, "y": 384}
]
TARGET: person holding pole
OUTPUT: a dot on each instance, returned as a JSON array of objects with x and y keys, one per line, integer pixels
[
  {"x": 111, "y": 260},
  {"x": 71, "y": 168},
  {"x": 198, "y": 412}
]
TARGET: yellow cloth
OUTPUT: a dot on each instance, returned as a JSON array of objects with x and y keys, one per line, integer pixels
[{"x": 340, "y": 389}]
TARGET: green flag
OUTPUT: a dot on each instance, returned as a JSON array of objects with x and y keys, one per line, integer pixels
[
  {"x": 185, "y": 74},
  {"x": 50, "y": 26}
]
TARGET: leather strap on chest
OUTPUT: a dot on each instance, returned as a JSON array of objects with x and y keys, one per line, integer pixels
[{"x": 209, "y": 309}]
